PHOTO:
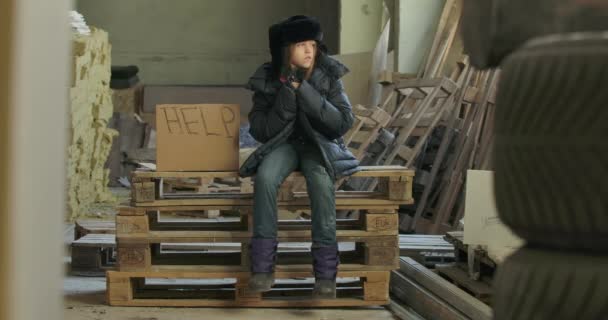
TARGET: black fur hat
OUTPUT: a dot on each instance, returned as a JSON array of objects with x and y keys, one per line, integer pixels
[{"x": 291, "y": 30}]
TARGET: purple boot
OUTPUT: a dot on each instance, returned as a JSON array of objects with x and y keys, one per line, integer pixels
[
  {"x": 263, "y": 255},
  {"x": 326, "y": 260}
]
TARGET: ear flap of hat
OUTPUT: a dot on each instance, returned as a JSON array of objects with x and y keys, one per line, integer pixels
[{"x": 275, "y": 46}]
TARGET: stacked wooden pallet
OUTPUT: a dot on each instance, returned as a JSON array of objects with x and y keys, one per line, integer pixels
[{"x": 151, "y": 247}]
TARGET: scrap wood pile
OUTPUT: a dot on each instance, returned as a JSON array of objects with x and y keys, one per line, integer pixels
[{"x": 438, "y": 125}]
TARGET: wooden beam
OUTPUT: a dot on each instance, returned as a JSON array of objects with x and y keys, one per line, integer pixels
[
  {"x": 421, "y": 300},
  {"x": 443, "y": 19},
  {"x": 456, "y": 297}
]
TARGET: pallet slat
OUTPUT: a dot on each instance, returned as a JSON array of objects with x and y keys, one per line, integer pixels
[
  {"x": 148, "y": 188},
  {"x": 127, "y": 289}
]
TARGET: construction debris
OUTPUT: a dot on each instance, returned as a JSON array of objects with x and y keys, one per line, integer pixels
[{"x": 90, "y": 109}]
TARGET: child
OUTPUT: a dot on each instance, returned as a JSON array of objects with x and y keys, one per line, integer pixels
[{"x": 300, "y": 113}]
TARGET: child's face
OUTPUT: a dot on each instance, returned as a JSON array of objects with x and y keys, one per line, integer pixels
[{"x": 303, "y": 54}]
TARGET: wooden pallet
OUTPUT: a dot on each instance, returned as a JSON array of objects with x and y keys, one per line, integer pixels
[
  {"x": 364, "y": 253},
  {"x": 421, "y": 104},
  {"x": 442, "y": 206},
  {"x": 148, "y": 190},
  {"x": 229, "y": 289},
  {"x": 148, "y": 220},
  {"x": 140, "y": 231},
  {"x": 93, "y": 254},
  {"x": 365, "y": 130}
]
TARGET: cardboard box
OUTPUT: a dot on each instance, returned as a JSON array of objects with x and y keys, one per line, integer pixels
[{"x": 197, "y": 137}]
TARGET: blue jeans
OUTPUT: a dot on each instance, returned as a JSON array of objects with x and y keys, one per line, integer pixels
[{"x": 275, "y": 167}]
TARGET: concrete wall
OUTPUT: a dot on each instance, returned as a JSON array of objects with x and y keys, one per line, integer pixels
[
  {"x": 416, "y": 24},
  {"x": 198, "y": 42},
  {"x": 361, "y": 23},
  {"x": 413, "y": 26}
]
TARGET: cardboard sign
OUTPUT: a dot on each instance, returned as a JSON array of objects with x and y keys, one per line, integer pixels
[{"x": 197, "y": 137}]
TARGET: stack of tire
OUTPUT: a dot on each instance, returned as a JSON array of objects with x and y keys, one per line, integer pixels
[{"x": 551, "y": 150}]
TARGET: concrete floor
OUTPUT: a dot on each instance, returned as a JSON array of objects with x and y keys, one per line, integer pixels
[{"x": 84, "y": 299}]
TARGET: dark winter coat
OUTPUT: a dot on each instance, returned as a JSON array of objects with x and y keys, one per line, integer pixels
[{"x": 319, "y": 106}]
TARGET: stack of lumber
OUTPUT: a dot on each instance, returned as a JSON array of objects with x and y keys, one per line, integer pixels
[{"x": 90, "y": 109}]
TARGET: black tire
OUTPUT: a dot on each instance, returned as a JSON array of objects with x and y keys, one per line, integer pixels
[
  {"x": 551, "y": 144},
  {"x": 492, "y": 29},
  {"x": 538, "y": 284}
]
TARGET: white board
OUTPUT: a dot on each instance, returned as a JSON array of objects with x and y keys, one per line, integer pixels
[{"x": 482, "y": 227}]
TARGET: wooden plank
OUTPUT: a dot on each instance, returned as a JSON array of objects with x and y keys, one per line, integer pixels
[
  {"x": 381, "y": 222},
  {"x": 131, "y": 225},
  {"x": 435, "y": 47},
  {"x": 381, "y": 255},
  {"x": 96, "y": 240},
  {"x": 302, "y": 268},
  {"x": 141, "y": 210},
  {"x": 403, "y": 312},
  {"x": 143, "y": 191},
  {"x": 236, "y": 197},
  {"x": 422, "y": 139},
  {"x": 442, "y": 152},
  {"x": 346, "y": 202},
  {"x": 466, "y": 144},
  {"x": 448, "y": 292},
  {"x": 460, "y": 277},
  {"x": 244, "y": 236},
  {"x": 421, "y": 300},
  {"x": 405, "y": 132},
  {"x": 287, "y": 272},
  {"x": 133, "y": 257},
  {"x": 447, "y": 35},
  {"x": 445, "y": 84},
  {"x": 366, "y": 171},
  {"x": 85, "y": 227},
  {"x": 120, "y": 291},
  {"x": 303, "y": 303},
  {"x": 146, "y": 225},
  {"x": 448, "y": 38}
]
